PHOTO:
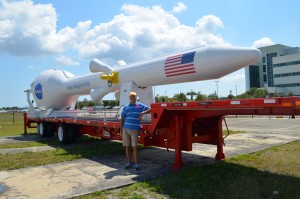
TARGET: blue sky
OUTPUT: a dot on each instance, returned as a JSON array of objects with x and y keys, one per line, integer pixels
[{"x": 40, "y": 35}]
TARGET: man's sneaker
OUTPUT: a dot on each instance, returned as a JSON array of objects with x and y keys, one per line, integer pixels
[
  {"x": 136, "y": 167},
  {"x": 128, "y": 165}
]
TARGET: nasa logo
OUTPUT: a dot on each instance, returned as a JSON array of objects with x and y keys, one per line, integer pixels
[{"x": 38, "y": 91}]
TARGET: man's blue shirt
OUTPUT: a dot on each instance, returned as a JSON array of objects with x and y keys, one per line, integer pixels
[{"x": 131, "y": 115}]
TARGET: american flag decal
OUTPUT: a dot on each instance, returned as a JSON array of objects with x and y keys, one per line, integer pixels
[{"x": 180, "y": 64}]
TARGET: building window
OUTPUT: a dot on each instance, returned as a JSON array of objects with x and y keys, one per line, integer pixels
[
  {"x": 265, "y": 78},
  {"x": 288, "y": 85},
  {"x": 286, "y": 64},
  {"x": 254, "y": 76},
  {"x": 270, "y": 68},
  {"x": 287, "y": 74},
  {"x": 264, "y": 59},
  {"x": 264, "y": 68}
]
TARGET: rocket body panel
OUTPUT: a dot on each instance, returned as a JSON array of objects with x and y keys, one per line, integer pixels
[
  {"x": 143, "y": 74},
  {"x": 59, "y": 89},
  {"x": 82, "y": 85},
  {"x": 193, "y": 65},
  {"x": 46, "y": 87}
]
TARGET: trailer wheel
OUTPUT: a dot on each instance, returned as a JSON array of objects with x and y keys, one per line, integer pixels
[
  {"x": 73, "y": 133},
  {"x": 63, "y": 133},
  {"x": 43, "y": 129},
  {"x": 51, "y": 129}
]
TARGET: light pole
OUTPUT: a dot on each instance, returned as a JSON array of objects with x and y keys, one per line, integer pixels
[{"x": 217, "y": 81}]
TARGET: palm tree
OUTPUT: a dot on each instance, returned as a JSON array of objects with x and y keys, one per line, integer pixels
[{"x": 191, "y": 93}]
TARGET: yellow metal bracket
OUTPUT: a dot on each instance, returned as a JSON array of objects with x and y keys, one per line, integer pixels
[{"x": 113, "y": 77}]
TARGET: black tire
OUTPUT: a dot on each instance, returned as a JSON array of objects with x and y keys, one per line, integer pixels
[
  {"x": 43, "y": 129},
  {"x": 73, "y": 133},
  {"x": 63, "y": 134},
  {"x": 51, "y": 129}
]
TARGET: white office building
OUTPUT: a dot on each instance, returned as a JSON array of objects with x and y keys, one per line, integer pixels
[{"x": 278, "y": 71}]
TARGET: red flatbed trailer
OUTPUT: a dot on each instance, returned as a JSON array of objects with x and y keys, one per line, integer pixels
[{"x": 174, "y": 125}]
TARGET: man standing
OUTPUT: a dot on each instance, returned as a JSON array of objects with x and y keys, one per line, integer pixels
[{"x": 130, "y": 128}]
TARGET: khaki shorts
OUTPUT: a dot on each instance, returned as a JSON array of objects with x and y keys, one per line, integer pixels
[{"x": 130, "y": 137}]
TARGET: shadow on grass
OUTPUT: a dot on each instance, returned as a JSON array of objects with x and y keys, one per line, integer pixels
[
  {"x": 85, "y": 147},
  {"x": 225, "y": 180}
]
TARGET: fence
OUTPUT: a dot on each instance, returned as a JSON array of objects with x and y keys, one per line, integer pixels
[{"x": 11, "y": 117}]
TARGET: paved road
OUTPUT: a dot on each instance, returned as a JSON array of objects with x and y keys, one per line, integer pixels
[{"x": 283, "y": 126}]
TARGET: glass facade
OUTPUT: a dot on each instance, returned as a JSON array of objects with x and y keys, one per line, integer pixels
[
  {"x": 287, "y": 64},
  {"x": 288, "y": 85},
  {"x": 287, "y": 74},
  {"x": 270, "y": 68},
  {"x": 254, "y": 76}
]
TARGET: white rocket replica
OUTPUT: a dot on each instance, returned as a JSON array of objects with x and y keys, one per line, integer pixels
[{"x": 57, "y": 89}]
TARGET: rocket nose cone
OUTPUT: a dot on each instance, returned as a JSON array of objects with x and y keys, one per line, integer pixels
[
  {"x": 221, "y": 61},
  {"x": 256, "y": 54},
  {"x": 241, "y": 56}
]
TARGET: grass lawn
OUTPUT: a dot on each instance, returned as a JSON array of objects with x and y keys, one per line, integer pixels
[{"x": 12, "y": 124}]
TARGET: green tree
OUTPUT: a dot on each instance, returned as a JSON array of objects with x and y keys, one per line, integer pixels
[
  {"x": 160, "y": 98},
  {"x": 260, "y": 93},
  {"x": 213, "y": 96},
  {"x": 110, "y": 103},
  {"x": 85, "y": 102},
  {"x": 230, "y": 96},
  {"x": 257, "y": 93},
  {"x": 192, "y": 94},
  {"x": 290, "y": 93},
  {"x": 180, "y": 97},
  {"x": 200, "y": 96},
  {"x": 243, "y": 96}
]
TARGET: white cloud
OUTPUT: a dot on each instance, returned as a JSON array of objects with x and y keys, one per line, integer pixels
[
  {"x": 28, "y": 29},
  {"x": 141, "y": 32},
  {"x": 265, "y": 41},
  {"x": 66, "y": 61},
  {"x": 179, "y": 7},
  {"x": 209, "y": 23},
  {"x": 24, "y": 27}
]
